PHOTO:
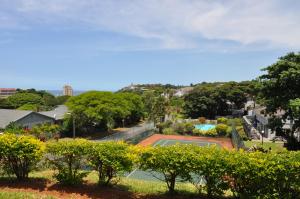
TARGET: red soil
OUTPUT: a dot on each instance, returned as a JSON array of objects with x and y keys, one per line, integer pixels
[{"x": 224, "y": 142}]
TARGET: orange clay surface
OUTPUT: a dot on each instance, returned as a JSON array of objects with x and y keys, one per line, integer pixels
[{"x": 224, "y": 142}]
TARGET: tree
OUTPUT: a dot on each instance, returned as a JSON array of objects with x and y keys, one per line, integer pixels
[
  {"x": 20, "y": 99},
  {"x": 96, "y": 109},
  {"x": 155, "y": 106},
  {"x": 280, "y": 85},
  {"x": 210, "y": 100},
  {"x": 62, "y": 99}
]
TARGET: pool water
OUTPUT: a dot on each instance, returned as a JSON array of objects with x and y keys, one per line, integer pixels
[{"x": 205, "y": 127}]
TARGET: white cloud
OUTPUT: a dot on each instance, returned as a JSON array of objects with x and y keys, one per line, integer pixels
[{"x": 176, "y": 24}]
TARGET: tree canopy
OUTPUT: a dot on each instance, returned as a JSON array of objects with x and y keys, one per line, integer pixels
[
  {"x": 210, "y": 100},
  {"x": 280, "y": 88},
  {"x": 105, "y": 109}
]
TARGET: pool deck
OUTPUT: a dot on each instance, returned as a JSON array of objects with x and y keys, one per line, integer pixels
[{"x": 224, "y": 142}]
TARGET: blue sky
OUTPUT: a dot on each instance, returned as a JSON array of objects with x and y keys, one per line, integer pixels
[{"x": 107, "y": 44}]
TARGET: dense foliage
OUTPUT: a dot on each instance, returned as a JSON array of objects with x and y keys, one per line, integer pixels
[
  {"x": 68, "y": 157},
  {"x": 171, "y": 161},
  {"x": 111, "y": 159},
  {"x": 32, "y": 100},
  {"x": 155, "y": 106},
  {"x": 279, "y": 86},
  {"x": 20, "y": 154},
  {"x": 211, "y": 100},
  {"x": 213, "y": 170},
  {"x": 43, "y": 132},
  {"x": 97, "y": 109}
]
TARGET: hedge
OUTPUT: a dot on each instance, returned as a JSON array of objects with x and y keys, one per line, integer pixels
[{"x": 212, "y": 170}]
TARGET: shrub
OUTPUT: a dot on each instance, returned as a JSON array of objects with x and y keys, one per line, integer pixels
[
  {"x": 264, "y": 174},
  {"x": 222, "y": 120},
  {"x": 241, "y": 132},
  {"x": 110, "y": 159},
  {"x": 189, "y": 127},
  {"x": 163, "y": 125},
  {"x": 210, "y": 132},
  {"x": 179, "y": 128},
  {"x": 45, "y": 131},
  {"x": 229, "y": 131},
  {"x": 221, "y": 129},
  {"x": 68, "y": 156},
  {"x": 172, "y": 161},
  {"x": 169, "y": 131},
  {"x": 20, "y": 154},
  {"x": 202, "y": 120},
  {"x": 235, "y": 122},
  {"x": 209, "y": 169}
]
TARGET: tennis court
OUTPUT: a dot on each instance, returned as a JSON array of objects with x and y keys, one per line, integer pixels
[{"x": 166, "y": 140}]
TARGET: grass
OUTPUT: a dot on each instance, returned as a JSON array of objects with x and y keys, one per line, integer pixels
[
  {"x": 145, "y": 187},
  {"x": 276, "y": 147},
  {"x": 22, "y": 195},
  {"x": 129, "y": 184}
]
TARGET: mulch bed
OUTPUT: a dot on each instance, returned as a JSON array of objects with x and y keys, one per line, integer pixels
[{"x": 43, "y": 187}]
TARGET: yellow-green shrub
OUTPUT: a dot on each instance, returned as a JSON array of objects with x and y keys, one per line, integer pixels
[
  {"x": 221, "y": 129},
  {"x": 222, "y": 120},
  {"x": 172, "y": 161},
  {"x": 20, "y": 154},
  {"x": 111, "y": 159},
  {"x": 68, "y": 157}
]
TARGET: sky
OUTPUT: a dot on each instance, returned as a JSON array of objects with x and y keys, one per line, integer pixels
[{"x": 109, "y": 44}]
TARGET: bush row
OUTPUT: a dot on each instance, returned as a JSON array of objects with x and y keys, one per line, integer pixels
[{"x": 212, "y": 170}]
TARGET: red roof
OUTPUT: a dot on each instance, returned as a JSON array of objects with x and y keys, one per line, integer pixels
[{"x": 8, "y": 89}]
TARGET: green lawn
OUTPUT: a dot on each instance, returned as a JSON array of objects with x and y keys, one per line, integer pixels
[
  {"x": 22, "y": 195},
  {"x": 132, "y": 185},
  {"x": 277, "y": 146}
]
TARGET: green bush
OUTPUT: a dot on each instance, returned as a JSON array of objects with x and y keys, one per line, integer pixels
[
  {"x": 209, "y": 168},
  {"x": 209, "y": 133},
  {"x": 20, "y": 154},
  {"x": 111, "y": 159},
  {"x": 45, "y": 131},
  {"x": 68, "y": 156},
  {"x": 242, "y": 133},
  {"x": 221, "y": 129},
  {"x": 222, "y": 120},
  {"x": 235, "y": 122},
  {"x": 179, "y": 128},
  {"x": 169, "y": 131},
  {"x": 264, "y": 174},
  {"x": 172, "y": 161},
  {"x": 189, "y": 127}
]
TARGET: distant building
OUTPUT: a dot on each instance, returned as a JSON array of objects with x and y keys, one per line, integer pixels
[
  {"x": 6, "y": 92},
  {"x": 67, "y": 90}
]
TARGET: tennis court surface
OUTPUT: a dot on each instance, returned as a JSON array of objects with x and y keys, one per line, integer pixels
[{"x": 166, "y": 140}]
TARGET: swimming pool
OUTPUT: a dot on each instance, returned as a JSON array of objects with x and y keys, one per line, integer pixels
[{"x": 205, "y": 127}]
